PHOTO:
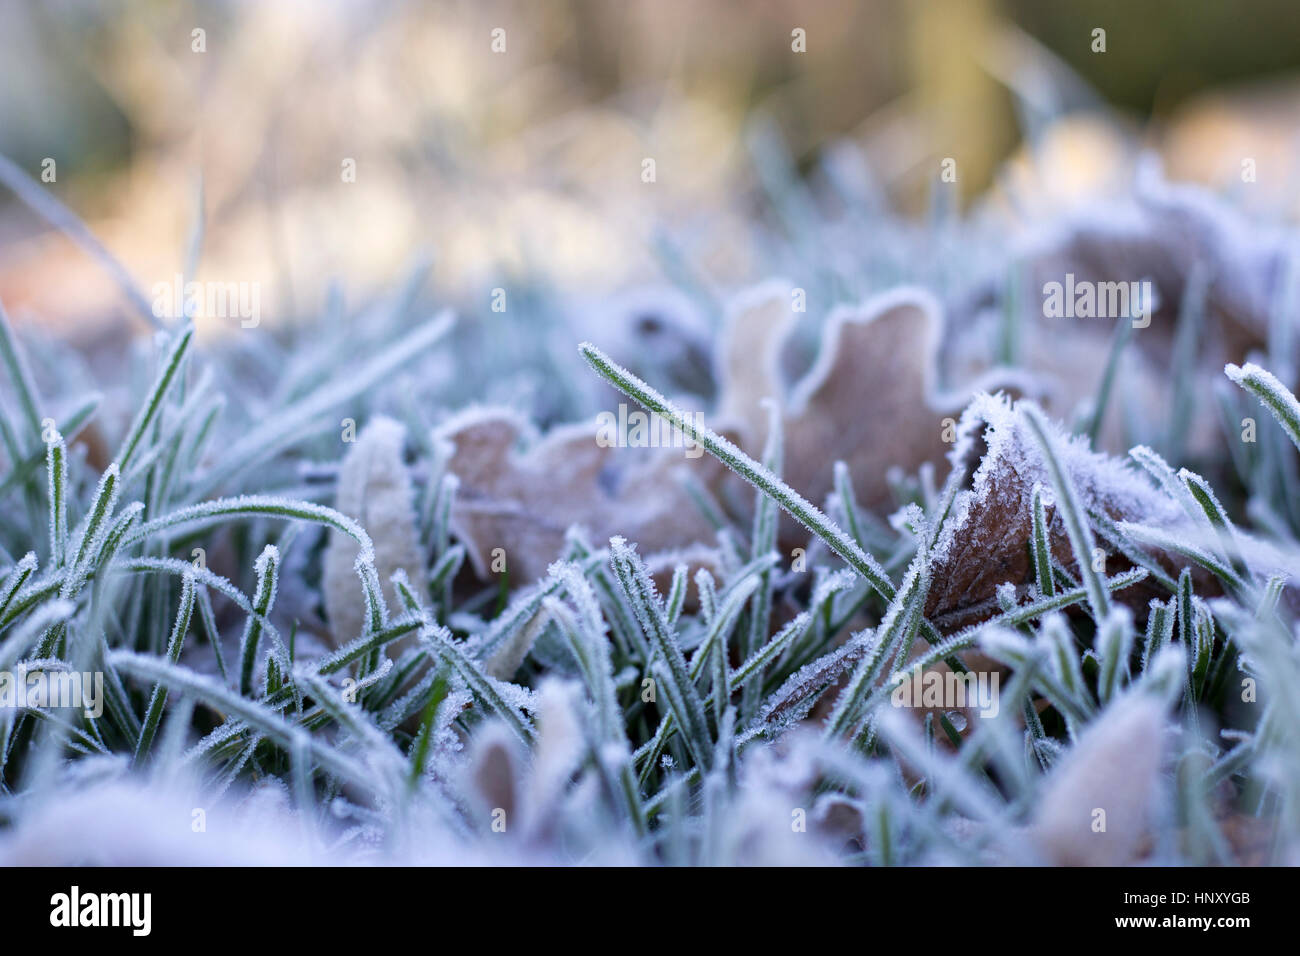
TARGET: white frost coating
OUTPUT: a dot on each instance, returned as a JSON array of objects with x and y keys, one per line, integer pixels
[
  {"x": 831, "y": 584},
  {"x": 91, "y": 539},
  {"x": 516, "y": 695},
  {"x": 270, "y": 505},
  {"x": 1163, "y": 229},
  {"x": 755, "y": 826},
  {"x": 121, "y": 821},
  {"x": 1114, "y": 768},
  {"x": 870, "y": 311},
  {"x": 1006, "y": 646},
  {"x": 118, "y": 824},
  {"x": 507, "y": 658},
  {"x": 1247, "y": 256},
  {"x": 179, "y": 568},
  {"x": 19, "y": 574},
  {"x": 268, "y": 560},
  {"x": 1276, "y": 397},
  {"x": 27, "y": 563},
  {"x": 1102, "y": 482},
  {"x": 17, "y": 643},
  {"x": 795, "y": 698},
  {"x": 375, "y": 490},
  {"x": 1261, "y": 557}
]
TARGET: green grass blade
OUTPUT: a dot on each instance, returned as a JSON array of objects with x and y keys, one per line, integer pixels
[
  {"x": 1274, "y": 396},
  {"x": 1070, "y": 510},
  {"x": 158, "y": 699}
]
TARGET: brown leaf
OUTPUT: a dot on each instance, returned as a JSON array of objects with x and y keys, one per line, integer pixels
[
  {"x": 524, "y": 500},
  {"x": 1162, "y": 232},
  {"x": 985, "y": 540},
  {"x": 375, "y": 489},
  {"x": 871, "y": 399}
]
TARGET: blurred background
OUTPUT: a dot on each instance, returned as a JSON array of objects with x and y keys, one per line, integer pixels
[{"x": 321, "y": 147}]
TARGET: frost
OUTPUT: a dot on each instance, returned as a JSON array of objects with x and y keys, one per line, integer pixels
[
  {"x": 116, "y": 824},
  {"x": 624, "y": 660},
  {"x": 506, "y": 659},
  {"x": 1277, "y": 398},
  {"x": 795, "y": 698},
  {"x": 18, "y": 643},
  {"x": 985, "y": 540}
]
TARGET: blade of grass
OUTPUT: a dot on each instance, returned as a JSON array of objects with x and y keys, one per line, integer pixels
[
  {"x": 1272, "y": 394},
  {"x": 158, "y": 699},
  {"x": 1071, "y": 512}
]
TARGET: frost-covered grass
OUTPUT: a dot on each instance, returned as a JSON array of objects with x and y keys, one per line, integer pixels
[{"x": 173, "y": 534}]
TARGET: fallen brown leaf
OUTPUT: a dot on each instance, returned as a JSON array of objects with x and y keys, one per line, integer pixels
[
  {"x": 871, "y": 399},
  {"x": 985, "y": 540},
  {"x": 523, "y": 500},
  {"x": 375, "y": 489}
]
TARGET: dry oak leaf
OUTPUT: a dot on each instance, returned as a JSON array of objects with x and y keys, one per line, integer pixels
[
  {"x": 1208, "y": 263},
  {"x": 523, "y": 501},
  {"x": 1187, "y": 242},
  {"x": 374, "y": 488},
  {"x": 1160, "y": 231},
  {"x": 871, "y": 398},
  {"x": 984, "y": 541}
]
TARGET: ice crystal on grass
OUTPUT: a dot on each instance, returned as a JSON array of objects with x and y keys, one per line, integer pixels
[
  {"x": 465, "y": 638},
  {"x": 1272, "y": 394},
  {"x": 986, "y": 540}
]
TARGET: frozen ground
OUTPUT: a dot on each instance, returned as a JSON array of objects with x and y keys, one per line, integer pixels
[{"x": 372, "y": 588}]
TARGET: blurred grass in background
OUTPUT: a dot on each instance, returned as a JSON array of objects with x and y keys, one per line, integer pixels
[{"x": 529, "y": 163}]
